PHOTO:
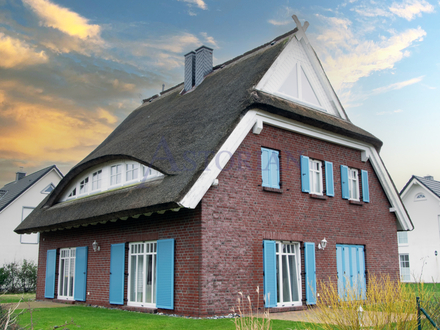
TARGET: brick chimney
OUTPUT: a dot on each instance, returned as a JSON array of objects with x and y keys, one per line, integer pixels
[{"x": 198, "y": 64}]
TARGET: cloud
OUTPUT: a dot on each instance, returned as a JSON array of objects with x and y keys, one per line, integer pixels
[
  {"x": 372, "y": 12},
  {"x": 63, "y": 19},
  {"x": 409, "y": 9},
  {"x": 278, "y": 23},
  {"x": 398, "y": 85},
  {"x": 15, "y": 53},
  {"x": 208, "y": 39},
  {"x": 198, "y": 3},
  {"x": 348, "y": 56},
  {"x": 389, "y": 112}
]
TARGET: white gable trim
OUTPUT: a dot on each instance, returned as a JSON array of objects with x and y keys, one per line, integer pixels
[
  {"x": 415, "y": 181},
  {"x": 57, "y": 171},
  {"x": 259, "y": 118}
]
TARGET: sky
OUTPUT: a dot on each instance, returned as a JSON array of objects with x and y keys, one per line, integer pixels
[{"x": 71, "y": 71}]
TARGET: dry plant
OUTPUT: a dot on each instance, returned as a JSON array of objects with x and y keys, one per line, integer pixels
[
  {"x": 8, "y": 317},
  {"x": 247, "y": 320},
  {"x": 386, "y": 304}
]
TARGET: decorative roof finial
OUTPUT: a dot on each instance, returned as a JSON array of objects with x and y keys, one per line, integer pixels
[{"x": 301, "y": 28}]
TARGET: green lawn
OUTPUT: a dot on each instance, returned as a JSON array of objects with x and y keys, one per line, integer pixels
[
  {"x": 100, "y": 318},
  {"x": 12, "y": 298}
]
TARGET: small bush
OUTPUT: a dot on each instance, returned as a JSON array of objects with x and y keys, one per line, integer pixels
[{"x": 16, "y": 278}]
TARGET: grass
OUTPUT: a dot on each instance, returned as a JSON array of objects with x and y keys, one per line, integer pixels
[
  {"x": 13, "y": 298},
  {"x": 100, "y": 318}
]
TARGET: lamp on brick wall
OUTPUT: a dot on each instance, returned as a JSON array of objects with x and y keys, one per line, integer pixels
[
  {"x": 323, "y": 244},
  {"x": 96, "y": 246}
]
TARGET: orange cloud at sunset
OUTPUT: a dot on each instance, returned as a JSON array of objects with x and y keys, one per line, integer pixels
[{"x": 17, "y": 53}]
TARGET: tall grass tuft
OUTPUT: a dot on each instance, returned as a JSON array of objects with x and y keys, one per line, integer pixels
[
  {"x": 248, "y": 320},
  {"x": 387, "y": 304}
]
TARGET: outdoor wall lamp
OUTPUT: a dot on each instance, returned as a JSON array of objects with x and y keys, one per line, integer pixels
[
  {"x": 323, "y": 244},
  {"x": 435, "y": 253},
  {"x": 96, "y": 246}
]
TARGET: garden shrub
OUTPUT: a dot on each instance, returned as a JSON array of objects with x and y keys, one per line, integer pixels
[{"x": 15, "y": 277}]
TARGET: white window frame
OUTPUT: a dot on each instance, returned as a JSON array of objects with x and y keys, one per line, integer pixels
[
  {"x": 295, "y": 246},
  {"x": 28, "y": 238},
  {"x": 418, "y": 199},
  {"x": 403, "y": 273},
  {"x": 149, "y": 249},
  {"x": 96, "y": 180},
  {"x": 70, "y": 255},
  {"x": 118, "y": 173},
  {"x": 402, "y": 238},
  {"x": 130, "y": 168},
  {"x": 83, "y": 186},
  {"x": 312, "y": 176},
  {"x": 353, "y": 181}
]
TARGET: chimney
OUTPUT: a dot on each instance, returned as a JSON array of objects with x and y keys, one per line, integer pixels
[
  {"x": 190, "y": 69},
  {"x": 20, "y": 174},
  {"x": 203, "y": 63},
  {"x": 198, "y": 64},
  {"x": 429, "y": 177}
]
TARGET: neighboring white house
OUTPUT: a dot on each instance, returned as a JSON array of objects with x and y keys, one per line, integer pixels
[
  {"x": 17, "y": 200},
  {"x": 419, "y": 249}
]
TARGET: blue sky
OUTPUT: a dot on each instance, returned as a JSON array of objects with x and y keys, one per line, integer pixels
[{"x": 71, "y": 71}]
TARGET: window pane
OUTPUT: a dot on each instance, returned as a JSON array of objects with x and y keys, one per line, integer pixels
[
  {"x": 149, "y": 280},
  {"x": 62, "y": 279},
  {"x": 286, "y": 289},
  {"x": 293, "y": 279},
  {"x": 278, "y": 277},
  {"x": 133, "y": 278},
  {"x": 72, "y": 273},
  {"x": 140, "y": 279}
]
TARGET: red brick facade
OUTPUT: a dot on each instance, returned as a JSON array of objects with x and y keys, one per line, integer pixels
[{"x": 218, "y": 249}]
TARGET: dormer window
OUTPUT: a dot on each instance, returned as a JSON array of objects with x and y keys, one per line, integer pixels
[
  {"x": 83, "y": 186},
  {"x": 111, "y": 175},
  {"x": 2, "y": 193},
  {"x": 96, "y": 180},
  {"x": 132, "y": 171},
  {"x": 420, "y": 197},
  {"x": 115, "y": 174}
]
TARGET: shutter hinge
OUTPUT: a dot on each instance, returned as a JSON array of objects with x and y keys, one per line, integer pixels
[
  {"x": 126, "y": 274},
  {"x": 125, "y": 299},
  {"x": 303, "y": 273}
]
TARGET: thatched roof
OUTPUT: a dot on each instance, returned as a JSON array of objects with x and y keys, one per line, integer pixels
[{"x": 177, "y": 135}]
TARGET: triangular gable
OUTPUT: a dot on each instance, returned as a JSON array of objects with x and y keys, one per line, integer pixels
[
  {"x": 422, "y": 186},
  {"x": 297, "y": 76}
]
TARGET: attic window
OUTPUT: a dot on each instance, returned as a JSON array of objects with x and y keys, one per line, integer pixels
[
  {"x": 420, "y": 197},
  {"x": 2, "y": 193},
  {"x": 48, "y": 189},
  {"x": 109, "y": 176}
]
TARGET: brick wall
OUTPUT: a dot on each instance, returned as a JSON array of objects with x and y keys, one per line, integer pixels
[
  {"x": 183, "y": 226},
  {"x": 237, "y": 215}
]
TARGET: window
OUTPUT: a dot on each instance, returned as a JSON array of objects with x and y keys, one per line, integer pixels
[
  {"x": 72, "y": 193},
  {"x": 83, "y": 186},
  {"x": 115, "y": 174},
  {"x": 132, "y": 171},
  {"x": 353, "y": 184},
  {"x": 350, "y": 184},
  {"x": 142, "y": 265},
  {"x": 270, "y": 168},
  {"x": 420, "y": 197},
  {"x": 48, "y": 189},
  {"x": 28, "y": 238},
  {"x": 402, "y": 237},
  {"x": 315, "y": 167},
  {"x": 405, "y": 274},
  {"x": 96, "y": 180},
  {"x": 2, "y": 193},
  {"x": 67, "y": 273},
  {"x": 288, "y": 277}
]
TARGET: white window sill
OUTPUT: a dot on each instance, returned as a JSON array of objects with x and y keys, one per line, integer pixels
[{"x": 143, "y": 305}]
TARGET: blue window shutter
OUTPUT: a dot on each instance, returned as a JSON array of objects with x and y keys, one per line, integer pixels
[
  {"x": 80, "y": 274},
  {"x": 340, "y": 269},
  {"x": 310, "y": 268},
  {"x": 165, "y": 274},
  {"x": 274, "y": 166},
  {"x": 329, "y": 183},
  {"x": 51, "y": 260},
  {"x": 117, "y": 268},
  {"x": 365, "y": 188},
  {"x": 270, "y": 273},
  {"x": 265, "y": 166},
  {"x": 344, "y": 182},
  {"x": 305, "y": 174},
  {"x": 361, "y": 272}
]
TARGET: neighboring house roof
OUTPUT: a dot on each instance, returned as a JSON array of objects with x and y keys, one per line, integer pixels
[
  {"x": 15, "y": 188},
  {"x": 430, "y": 184},
  {"x": 179, "y": 135}
]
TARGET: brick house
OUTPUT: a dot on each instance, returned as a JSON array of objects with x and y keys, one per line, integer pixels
[{"x": 248, "y": 174}]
